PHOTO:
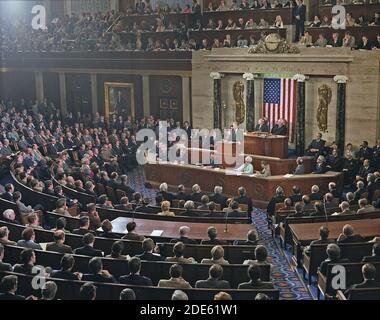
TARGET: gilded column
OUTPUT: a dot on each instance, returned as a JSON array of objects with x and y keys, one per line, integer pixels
[
  {"x": 250, "y": 101},
  {"x": 300, "y": 124},
  {"x": 217, "y": 105},
  {"x": 340, "y": 134}
]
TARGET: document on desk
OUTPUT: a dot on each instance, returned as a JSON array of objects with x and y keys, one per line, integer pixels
[
  {"x": 288, "y": 175},
  {"x": 157, "y": 233}
]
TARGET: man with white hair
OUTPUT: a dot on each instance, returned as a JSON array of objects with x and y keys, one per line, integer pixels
[
  {"x": 196, "y": 194},
  {"x": 333, "y": 190},
  {"x": 218, "y": 197},
  {"x": 48, "y": 291},
  {"x": 179, "y": 295},
  {"x": 4, "y": 234},
  {"x": 364, "y": 207},
  {"x": 247, "y": 167},
  {"x": 359, "y": 191},
  {"x": 183, "y": 236},
  {"x": 10, "y": 216},
  {"x": 315, "y": 195},
  {"x": 164, "y": 194},
  {"x": 344, "y": 209}
]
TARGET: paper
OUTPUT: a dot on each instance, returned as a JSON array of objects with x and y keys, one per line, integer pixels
[
  {"x": 43, "y": 245},
  {"x": 288, "y": 175},
  {"x": 157, "y": 233}
]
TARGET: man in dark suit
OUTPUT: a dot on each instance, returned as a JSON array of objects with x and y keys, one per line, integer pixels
[
  {"x": 365, "y": 152},
  {"x": 254, "y": 274},
  {"x": 280, "y": 128},
  {"x": 53, "y": 148},
  {"x": 134, "y": 278},
  {"x": 278, "y": 198},
  {"x": 336, "y": 41},
  {"x": 183, "y": 236},
  {"x": 84, "y": 225},
  {"x": 214, "y": 280},
  {"x": 348, "y": 235},
  {"x": 333, "y": 256},
  {"x": 262, "y": 126},
  {"x": 131, "y": 235},
  {"x": 316, "y": 146},
  {"x": 4, "y": 266},
  {"x": 87, "y": 249},
  {"x": 28, "y": 239},
  {"x": 299, "y": 13},
  {"x": 252, "y": 239},
  {"x": 243, "y": 199},
  {"x": 369, "y": 274},
  {"x": 97, "y": 273},
  {"x": 148, "y": 255},
  {"x": 323, "y": 239},
  {"x": 181, "y": 195},
  {"x": 213, "y": 237},
  {"x": 59, "y": 243},
  {"x": 9, "y": 287},
  {"x": 8, "y": 194},
  {"x": 218, "y": 197},
  {"x": 235, "y": 211},
  {"x": 28, "y": 260},
  {"x": 164, "y": 194},
  {"x": 375, "y": 254},
  {"x": 67, "y": 264},
  {"x": 297, "y": 195},
  {"x": 196, "y": 194}
]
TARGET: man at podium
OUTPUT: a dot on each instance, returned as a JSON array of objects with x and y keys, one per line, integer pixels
[
  {"x": 262, "y": 126},
  {"x": 280, "y": 128}
]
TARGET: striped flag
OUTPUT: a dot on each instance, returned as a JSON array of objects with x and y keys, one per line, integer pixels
[{"x": 280, "y": 103}]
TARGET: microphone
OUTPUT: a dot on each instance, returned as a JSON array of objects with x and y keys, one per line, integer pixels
[
  {"x": 324, "y": 208},
  {"x": 226, "y": 226}
]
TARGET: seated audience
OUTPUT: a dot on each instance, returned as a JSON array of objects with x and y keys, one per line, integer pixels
[
  {"x": 348, "y": 235},
  {"x": 97, "y": 273},
  {"x": 117, "y": 251},
  {"x": 214, "y": 280},
  {"x": 254, "y": 274},
  {"x": 9, "y": 286},
  {"x": 134, "y": 278},
  {"x": 178, "y": 251},
  {"x": 252, "y": 239},
  {"x": 213, "y": 237},
  {"x": 147, "y": 248},
  {"x": 127, "y": 294},
  {"x": 369, "y": 274},
  {"x": 87, "y": 291},
  {"x": 84, "y": 225},
  {"x": 4, "y": 266},
  {"x": 59, "y": 243},
  {"x": 67, "y": 264},
  {"x": 176, "y": 280},
  {"x": 217, "y": 256},
  {"x": 107, "y": 230},
  {"x": 88, "y": 248},
  {"x": 323, "y": 239},
  {"x": 364, "y": 207},
  {"x": 28, "y": 239},
  {"x": 4, "y": 237},
  {"x": 165, "y": 209},
  {"x": 179, "y": 295},
  {"x": 333, "y": 256},
  {"x": 131, "y": 235},
  {"x": 183, "y": 236}
]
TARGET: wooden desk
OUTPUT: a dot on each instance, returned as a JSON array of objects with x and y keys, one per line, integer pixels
[
  {"x": 260, "y": 189},
  {"x": 278, "y": 166},
  {"x": 304, "y": 233},
  {"x": 266, "y": 145},
  {"x": 198, "y": 231}
]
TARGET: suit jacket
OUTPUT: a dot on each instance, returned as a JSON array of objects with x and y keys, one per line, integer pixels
[
  {"x": 262, "y": 128},
  {"x": 82, "y": 231},
  {"x": 184, "y": 240},
  {"x": 23, "y": 268},
  {"x": 300, "y": 169},
  {"x": 88, "y": 251},
  {"x": 371, "y": 259},
  {"x": 135, "y": 280},
  {"x": 10, "y": 296},
  {"x": 61, "y": 274},
  {"x": 5, "y": 266},
  {"x": 366, "y": 284},
  {"x": 256, "y": 285},
  {"x": 133, "y": 236},
  {"x": 98, "y": 278},
  {"x": 174, "y": 283},
  {"x": 213, "y": 242},
  {"x": 245, "y": 200},
  {"x": 29, "y": 244},
  {"x": 182, "y": 196},
  {"x": 212, "y": 283},
  {"x": 53, "y": 246},
  {"x": 148, "y": 256},
  {"x": 324, "y": 264},
  {"x": 7, "y": 196},
  {"x": 219, "y": 199},
  {"x": 352, "y": 239}
]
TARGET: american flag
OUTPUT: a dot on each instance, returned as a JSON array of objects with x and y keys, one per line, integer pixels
[{"x": 280, "y": 103}]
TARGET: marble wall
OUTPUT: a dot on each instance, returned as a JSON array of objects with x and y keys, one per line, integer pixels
[{"x": 320, "y": 65}]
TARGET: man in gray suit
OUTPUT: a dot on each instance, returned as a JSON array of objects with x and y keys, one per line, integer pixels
[
  {"x": 214, "y": 280},
  {"x": 28, "y": 237}
]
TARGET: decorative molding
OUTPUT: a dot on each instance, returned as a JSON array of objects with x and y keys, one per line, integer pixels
[
  {"x": 274, "y": 44},
  {"x": 341, "y": 79},
  {"x": 300, "y": 77},
  {"x": 216, "y": 75},
  {"x": 249, "y": 76}
]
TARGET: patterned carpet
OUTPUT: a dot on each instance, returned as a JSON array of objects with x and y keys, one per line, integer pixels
[{"x": 285, "y": 279}]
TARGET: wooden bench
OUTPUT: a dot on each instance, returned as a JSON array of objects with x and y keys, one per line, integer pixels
[{"x": 69, "y": 290}]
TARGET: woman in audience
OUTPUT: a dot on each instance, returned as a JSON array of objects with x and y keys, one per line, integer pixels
[
  {"x": 278, "y": 23},
  {"x": 165, "y": 209}
]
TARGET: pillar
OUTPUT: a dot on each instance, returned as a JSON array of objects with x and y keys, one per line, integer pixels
[
  {"x": 146, "y": 95},
  {"x": 300, "y": 125},
  {"x": 62, "y": 92},
  {"x": 186, "y": 99},
  {"x": 94, "y": 93},
  {"x": 250, "y": 101},
  {"x": 217, "y": 94},
  {"x": 39, "y": 82},
  {"x": 340, "y": 134}
]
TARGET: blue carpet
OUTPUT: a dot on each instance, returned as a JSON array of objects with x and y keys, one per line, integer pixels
[{"x": 284, "y": 277}]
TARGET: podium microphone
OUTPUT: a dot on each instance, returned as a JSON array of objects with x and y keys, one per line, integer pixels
[{"x": 226, "y": 226}]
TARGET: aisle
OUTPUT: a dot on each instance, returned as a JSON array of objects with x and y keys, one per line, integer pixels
[{"x": 285, "y": 279}]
